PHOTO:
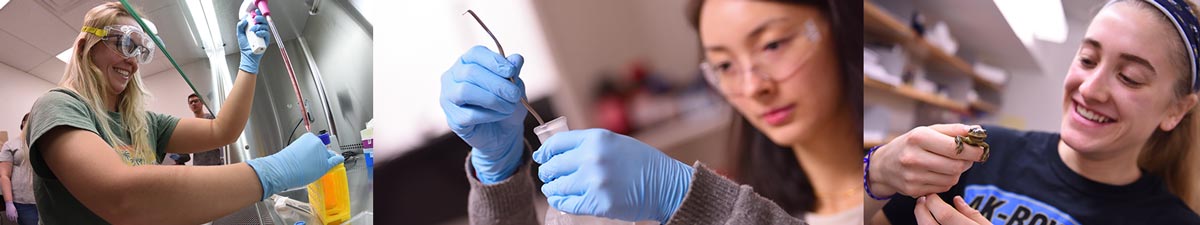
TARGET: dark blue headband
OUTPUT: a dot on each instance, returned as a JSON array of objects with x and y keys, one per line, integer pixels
[{"x": 1188, "y": 27}]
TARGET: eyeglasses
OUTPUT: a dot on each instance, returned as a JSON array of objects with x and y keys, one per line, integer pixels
[
  {"x": 775, "y": 61},
  {"x": 130, "y": 41}
]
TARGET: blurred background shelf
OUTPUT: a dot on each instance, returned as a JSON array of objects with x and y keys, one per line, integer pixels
[
  {"x": 912, "y": 93},
  {"x": 880, "y": 26}
]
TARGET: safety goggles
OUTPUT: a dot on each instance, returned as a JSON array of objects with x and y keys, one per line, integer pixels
[
  {"x": 130, "y": 41},
  {"x": 778, "y": 64}
]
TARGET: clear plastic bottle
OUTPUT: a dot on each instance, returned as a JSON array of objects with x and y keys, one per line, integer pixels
[
  {"x": 555, "y": 217},
  {"x": 330, "y": 195}
]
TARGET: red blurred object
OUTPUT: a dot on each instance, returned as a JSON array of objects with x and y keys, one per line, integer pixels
[{"x": 611, "y": 113}]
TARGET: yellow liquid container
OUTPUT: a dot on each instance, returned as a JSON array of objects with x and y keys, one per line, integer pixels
[{"x": 330, "y": 195}]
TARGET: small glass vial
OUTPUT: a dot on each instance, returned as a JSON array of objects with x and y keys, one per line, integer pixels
[{"x": 555, "y": 217}]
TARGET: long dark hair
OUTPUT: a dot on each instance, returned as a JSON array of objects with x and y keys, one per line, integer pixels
[{"x": 771, "y": 169}]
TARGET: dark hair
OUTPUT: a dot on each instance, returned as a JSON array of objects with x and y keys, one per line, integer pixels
[
  {"x": 23, "y": 120},
  {"x": 773, "y": 170},
  {"x": 192, "y": 95}
]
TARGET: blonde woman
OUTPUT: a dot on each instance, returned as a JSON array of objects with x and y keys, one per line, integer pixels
[
  {"x": 1125, "y": 155},
  {"x": 93, "y": 146}
]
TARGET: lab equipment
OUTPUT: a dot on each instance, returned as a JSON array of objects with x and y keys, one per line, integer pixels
[
  {"x": 368, "y": 142},
  {"x": 256, "y": 44},
  {"x": 298, "y": 164},
  {"x": 148, "y": 27},
  {"x": 553, "y": 216},
  {"x": 330, "y": 195},
  {"x": 640, "y": 182},
  {"x": 130, "y": 41},
  {"x": 249, "y": 58},
  {"x": 500, "y": 48},
  {"x": 261, "y": 6},
  {"x": 291, "y": 211}
]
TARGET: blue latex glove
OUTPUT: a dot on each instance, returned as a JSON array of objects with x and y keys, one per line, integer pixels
[
  {"x": 10, "y": 211},
  {"x": 250, "y": 60},
  {"x": 298, "y": 164},
  {"x": 601, "y": 173},
  {"x": 484, "y": 108}
]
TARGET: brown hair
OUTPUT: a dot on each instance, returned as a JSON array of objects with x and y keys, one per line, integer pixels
[
  {"x": 23, "y": 120},
  {"x": 1171, "y": 154},
  {"x": 771, "y": 169}
]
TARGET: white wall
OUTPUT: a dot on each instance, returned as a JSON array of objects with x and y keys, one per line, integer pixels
[
  {"x": 597, "y": 38},
  {"x": 421, "y": 39},
  {"x": 18, "y": 91},
  {"x": 566, "y": 44},
  {"x": 1034, "y": 100},
  {"x": 170, "y": 91}
]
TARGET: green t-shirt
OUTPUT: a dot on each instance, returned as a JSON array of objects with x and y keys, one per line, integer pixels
[{"x": 61, "y": 107}]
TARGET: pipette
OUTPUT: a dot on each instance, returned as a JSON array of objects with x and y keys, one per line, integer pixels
[{"x": 261, "y": 5}]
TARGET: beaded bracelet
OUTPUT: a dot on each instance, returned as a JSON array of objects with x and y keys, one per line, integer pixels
[{"x": 867, "y": 173}]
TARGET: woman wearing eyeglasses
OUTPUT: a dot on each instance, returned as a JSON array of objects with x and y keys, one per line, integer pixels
[
  {"x": 791, "y": 69},
  {"x": 93, "y": 146}
]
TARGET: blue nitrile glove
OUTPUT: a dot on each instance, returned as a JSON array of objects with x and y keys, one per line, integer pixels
[
  {"x": 249, "y": 59},
  {"x": 10, "y": 211},
  {"x": 484, "y": 108},
  {"x": 601, "y": 173},
  {"x": 298, "y": 164}
]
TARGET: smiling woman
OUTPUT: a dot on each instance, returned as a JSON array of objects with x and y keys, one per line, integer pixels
[
  {"x": 93, "y": 146},
  {"x": 1125, "y": 155}
]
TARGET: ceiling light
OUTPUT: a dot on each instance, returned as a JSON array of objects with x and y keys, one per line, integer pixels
[
  {"x": 1035, "y": 19},
  {"x": 65, "y": 56}
]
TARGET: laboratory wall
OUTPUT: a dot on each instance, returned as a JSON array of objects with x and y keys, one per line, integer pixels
[
  {"x": 604, "y": 42},
  {"x": 171, "y": 92},
  {"x": 576, "y": 53},
  {"x": 432, "y": 37},
  {"x": 18, "y": 91},
  {"x": 339, "y": 47},
  {"x": 1035, "y": 98}
]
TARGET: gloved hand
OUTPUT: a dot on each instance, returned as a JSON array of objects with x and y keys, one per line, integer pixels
[
  {"x": 601, "y": 173},
  {"x": 250, "y": 60},
  {"x": 10, "y": 211},
  {"x": 298, "y": 164},
  {"x": 484, "y": 108}
]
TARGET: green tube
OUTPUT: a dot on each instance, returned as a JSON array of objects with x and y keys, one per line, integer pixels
[{"x": 160, "y": 45}]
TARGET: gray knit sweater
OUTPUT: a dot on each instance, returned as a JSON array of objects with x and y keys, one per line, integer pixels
[{"x": 711, "y": 199}]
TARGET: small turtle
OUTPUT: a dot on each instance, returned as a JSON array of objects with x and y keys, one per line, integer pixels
[{"x": 975, "y": 137}]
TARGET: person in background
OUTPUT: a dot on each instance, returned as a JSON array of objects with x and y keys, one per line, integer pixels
[
  {"x": 16, "y": 180},
  {"x": 93, "y": 145},
  {"x": 210, "y": 157},
  {"x": 176, "y": 159}
]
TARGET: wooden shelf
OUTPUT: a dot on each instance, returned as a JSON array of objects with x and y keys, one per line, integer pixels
[
  {"x": 912, "y": 93},
  {"x": 880, "y": 25},
  {"x": 984, "y": 106}
]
